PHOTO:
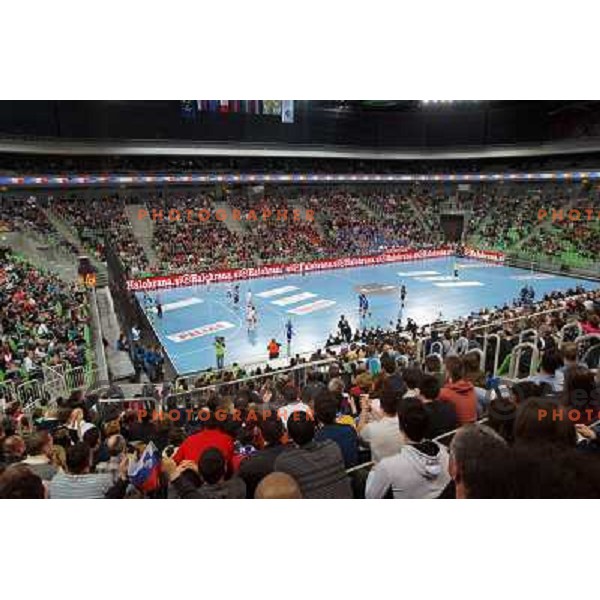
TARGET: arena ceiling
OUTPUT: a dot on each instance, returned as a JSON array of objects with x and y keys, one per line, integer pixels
[{"x": 368, "y": 128}]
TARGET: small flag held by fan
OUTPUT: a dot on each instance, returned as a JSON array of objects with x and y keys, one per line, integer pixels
[{"x": 145, "y": 473}]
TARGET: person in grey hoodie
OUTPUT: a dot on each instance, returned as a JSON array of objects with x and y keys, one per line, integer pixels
[{"x": 419, "y": 469}]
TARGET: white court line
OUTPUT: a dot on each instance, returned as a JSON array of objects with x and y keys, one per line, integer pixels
[
  {"x": 417, "y": 273},
  {"x": 539, "y": 277},
  {"x": 447, "y": 284},
  {"x": 436, "y": 278},
  {"x": 312, "y": 307},
  {"x": 277, "y": 291},
  {"x": 179, "y": 304},
  {"x": 293, "y": 299},
  {"x": 370, "y": 290}
]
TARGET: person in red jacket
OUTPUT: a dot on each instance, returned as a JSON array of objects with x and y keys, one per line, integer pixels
[
  {"x": 211, "y": 436},
  {"x": 459, "y": 392}
]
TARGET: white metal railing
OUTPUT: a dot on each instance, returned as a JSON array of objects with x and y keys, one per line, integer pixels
[
  {"x": 581, "y": 343},
  {"x": 517, "y": 354},
  {"x": 302, "y": 370},
  {"x": 57, "y": 381},
  {"x": 421, "y": 342},
  {"x": 97, "y": 334},
  {"x": 566, "y": 328},
  {"x": 499, "y": 322},
  {"x": 54, "y": 380}
]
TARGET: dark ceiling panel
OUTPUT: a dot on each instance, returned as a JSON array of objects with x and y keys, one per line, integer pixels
[{"x": 356, "y": 123}]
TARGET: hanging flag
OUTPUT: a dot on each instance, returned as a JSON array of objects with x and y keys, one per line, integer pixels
[
  {"x": 145, "y": 473},
  {"x": 188, "y": 109},
  {"x": 287, "y": 111},
  {"x": 272, "y": 107}
]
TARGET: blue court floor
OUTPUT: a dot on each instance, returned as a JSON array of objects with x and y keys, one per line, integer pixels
[{"x": 193, "y": 316}]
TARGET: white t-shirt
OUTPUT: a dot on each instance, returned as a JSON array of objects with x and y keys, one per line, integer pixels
[
  {"x": 383, "y": 437},
  {"x": 285, "y": 411},
  {"x": 28, "y": 363}
]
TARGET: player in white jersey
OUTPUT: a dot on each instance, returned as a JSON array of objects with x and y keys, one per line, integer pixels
[{"x": 251, "y": 318}]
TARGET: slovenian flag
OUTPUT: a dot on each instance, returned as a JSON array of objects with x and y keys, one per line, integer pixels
[{"x": 145, "y": 473}]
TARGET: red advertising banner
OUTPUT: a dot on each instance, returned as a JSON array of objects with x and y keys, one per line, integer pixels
[
  {"x": 188, "y": 279},
  {"x": 492, "y": 256}
]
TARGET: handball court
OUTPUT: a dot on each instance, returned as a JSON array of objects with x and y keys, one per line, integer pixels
[{"x": 194, "y": 316}]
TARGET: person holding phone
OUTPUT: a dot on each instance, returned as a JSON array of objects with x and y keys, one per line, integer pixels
[{"x": 378, "y": 424}]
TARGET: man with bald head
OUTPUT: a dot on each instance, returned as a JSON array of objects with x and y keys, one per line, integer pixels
[{"x": 278, "y": 486}]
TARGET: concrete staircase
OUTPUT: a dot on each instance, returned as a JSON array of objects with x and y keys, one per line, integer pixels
[
  {"x": 419, "y": 216},
  {"x": 42, "y": 253},
  {"x": 413, "y": 207},
  {"x": 143, "y": 230},
  {"x": 67, "y": 232},
  {"x": 119, "y": 363},
  {"x": 233, "y": 226}
]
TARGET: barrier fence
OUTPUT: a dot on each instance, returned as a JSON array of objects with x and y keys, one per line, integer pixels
[
  {"x": 586, "y": 346},
  {"x": 298, "y": 372},
  {"x": 56, "y": 381}
]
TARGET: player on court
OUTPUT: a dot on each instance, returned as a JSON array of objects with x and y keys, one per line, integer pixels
[
  {"x": 455, "y": 270},
  {"x": 248, "y": 316},
  {"x": 363, "y": 305},
  {"x": 402, "y": 296},
  {"x": 248, "y": 298},
  {"x": 289, "y": 334},
  {"x": 251, "y": 317}
]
